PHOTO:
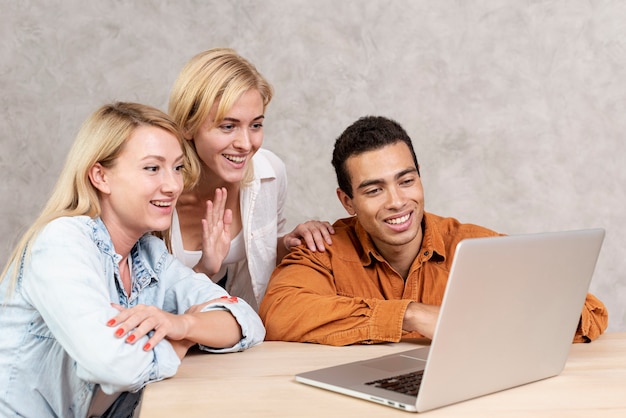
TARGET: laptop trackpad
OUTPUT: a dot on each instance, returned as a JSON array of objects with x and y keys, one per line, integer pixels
[{"x": 397, "y": 363}]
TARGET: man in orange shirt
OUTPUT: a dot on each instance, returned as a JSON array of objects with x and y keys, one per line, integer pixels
[{"x": 384, "y": 276}]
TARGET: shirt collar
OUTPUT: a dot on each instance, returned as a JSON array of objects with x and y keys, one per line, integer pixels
[
  {"x": 143, "y": 273},
  {"x": 432, "y": 242},
  {"x": 263, "y": 169}
]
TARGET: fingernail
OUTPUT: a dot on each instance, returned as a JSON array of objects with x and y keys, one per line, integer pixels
[
  {"x": 146, "y": 347},
  {"x": 130, "y": 338},
  {"x": 223, "y": 297},
  {"x": 111, "y": 322},
  {"x": 119, "y": 332},
  {"x": 234, "y": 299}
]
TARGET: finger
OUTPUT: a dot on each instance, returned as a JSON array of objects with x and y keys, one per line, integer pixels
[
  {"x": 156, "y": 338},
  {"x": 319, "y": 239},
  {"x": 220, "y": 203},
  {"x": 291, "y": 242},
  {"x": 313, "y": 243},
  {"x": 132, "y": 318},
  {"x": 119, "y": 318},
  {"x": 326, "y": 232},
  {"x": 228, "y": 219},
  {"x": 209, "y": 214},
  {"x": 111, "y": 322},
  {"x": 141, "y": 330}
]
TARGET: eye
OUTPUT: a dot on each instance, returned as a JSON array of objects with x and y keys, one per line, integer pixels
[
  {"x": 373, "y": 191},
  {"x": 257, "y": 125},
  {"x": 407, "y": 182},
  {"x": 227, "y": 127},
  {"x": 152, "y": 168},
  {"x": 179, "y": 168}
]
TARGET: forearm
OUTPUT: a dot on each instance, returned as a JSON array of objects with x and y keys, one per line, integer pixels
[
  {"x": 216, "y": 329},
  {"x": 181, "y": 347},
  {"x": 337, "y": 320},
  {"x": 281, "y": 249},
  {"x": 420, "y": 318}
]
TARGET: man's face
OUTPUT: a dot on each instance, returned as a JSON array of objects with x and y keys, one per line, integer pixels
[{"x": 388, "y": 197}]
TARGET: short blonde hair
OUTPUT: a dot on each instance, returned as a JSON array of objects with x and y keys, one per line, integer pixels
[
  {"x": 216, "y": 75},
  {"x": 101, "y": 139}
]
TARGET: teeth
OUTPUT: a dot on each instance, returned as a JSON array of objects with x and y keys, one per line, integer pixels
[
  {"x": 400, "y": 220},
  {"x": 234, "y": 158},
  {"x": 162, "y": 204}
]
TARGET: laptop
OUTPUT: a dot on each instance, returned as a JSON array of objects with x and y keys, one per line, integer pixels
[{"x": 508, "y": 317}]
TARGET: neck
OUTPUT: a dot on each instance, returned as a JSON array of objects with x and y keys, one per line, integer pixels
[
  {"x": 209, "y": 181},
  {"x": 401, "y": 257},
  {"x": 122, "y": 240}
]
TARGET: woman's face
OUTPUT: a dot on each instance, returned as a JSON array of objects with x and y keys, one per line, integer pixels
[
  {"x": 226, "y": 147},
  {"x": 139, "y": 192}
]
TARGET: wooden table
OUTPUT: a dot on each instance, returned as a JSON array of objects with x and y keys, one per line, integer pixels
[{"x": 260, "y": 383}]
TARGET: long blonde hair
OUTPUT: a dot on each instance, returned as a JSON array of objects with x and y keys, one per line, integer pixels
[
  {"x": 216, "y": 75},
  {"x": 101, "y": 139}
]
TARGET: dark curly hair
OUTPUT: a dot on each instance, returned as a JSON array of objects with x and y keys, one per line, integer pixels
[{"x": 366, "y": 134}]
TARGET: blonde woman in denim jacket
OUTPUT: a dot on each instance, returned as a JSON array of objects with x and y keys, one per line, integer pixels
[{"x": 92, "y": 305}]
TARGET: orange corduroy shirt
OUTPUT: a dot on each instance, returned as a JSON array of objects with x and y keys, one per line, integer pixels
[{"x": 350, "y": 294}]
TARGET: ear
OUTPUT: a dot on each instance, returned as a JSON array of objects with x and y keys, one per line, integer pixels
[
  {"x": 346, "y": 201},
  {"x": 187, "y": 134},
  {"x": 98, "y": 178}
]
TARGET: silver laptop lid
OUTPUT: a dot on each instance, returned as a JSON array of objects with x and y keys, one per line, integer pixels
[{"x": 511, "y": 308}]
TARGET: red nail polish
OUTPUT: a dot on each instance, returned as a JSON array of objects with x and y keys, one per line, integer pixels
[
  {"x": 119, "y": 332},
  {"x": 234, "y": 299},
  {"x": 111, "y": 322},
  {"x": 146, "y": 347},
  {"x": 223, "y": 297},
  {"x": 130, "y": 338}
]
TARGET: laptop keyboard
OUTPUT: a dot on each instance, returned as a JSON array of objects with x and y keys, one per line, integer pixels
[{"x": 408, "y": 383}]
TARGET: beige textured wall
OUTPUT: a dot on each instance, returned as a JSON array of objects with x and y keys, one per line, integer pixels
[{"x": 516, "y": 108}]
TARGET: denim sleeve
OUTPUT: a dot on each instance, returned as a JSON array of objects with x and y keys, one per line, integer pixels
[
  {"x": 186, "y": 288},
  {"x": 67, "y": 281}
]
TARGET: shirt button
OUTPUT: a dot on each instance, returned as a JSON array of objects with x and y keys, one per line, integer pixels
[{"x": 426, "y": 253}]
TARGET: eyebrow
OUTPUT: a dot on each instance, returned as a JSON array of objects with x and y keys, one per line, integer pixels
[
  {"x": 260, "y": 117},
  {"x": 161, "y": 158},
  {"x": 399, "y": 175}
]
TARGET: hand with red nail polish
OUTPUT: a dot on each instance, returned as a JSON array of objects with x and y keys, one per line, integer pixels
[{"x": 182, "y": 331}]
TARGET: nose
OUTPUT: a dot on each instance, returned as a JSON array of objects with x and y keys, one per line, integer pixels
[
  {"x": 243, "y": 141},
  {"x": 173, "y": 182},
  {"x": 395, "y": 198}
]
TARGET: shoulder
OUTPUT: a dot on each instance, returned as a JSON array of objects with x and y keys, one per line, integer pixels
[
  {"x": 77, "y": 237},
  {"x": 69, "y": 228},
  {"x": 347, "y": 243},
  {"x": 451, "y": 228},
  {"x": 268, "y": 164}
]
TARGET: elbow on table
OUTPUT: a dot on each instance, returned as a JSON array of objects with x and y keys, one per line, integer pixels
[{"x": 120, "y": 376}]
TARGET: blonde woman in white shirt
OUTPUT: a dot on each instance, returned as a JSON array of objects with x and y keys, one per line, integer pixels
[{"x": 219, "y": 99}]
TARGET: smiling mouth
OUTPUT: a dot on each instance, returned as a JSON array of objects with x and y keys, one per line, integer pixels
[
  {"x": 234, "y": 158},
  {"x": 398, "y": 221},
  {"x": 161, "y": 204}
]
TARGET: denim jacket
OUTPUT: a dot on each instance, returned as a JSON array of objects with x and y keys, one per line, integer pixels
[{"x": 55, "y": 345}]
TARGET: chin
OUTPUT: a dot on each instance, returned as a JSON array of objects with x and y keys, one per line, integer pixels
[{"x": 161, "y": 227}]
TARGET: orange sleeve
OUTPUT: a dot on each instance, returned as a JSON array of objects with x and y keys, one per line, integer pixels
[
  {"x": 593, "y": 320},
  {"x": 302, "y": 304}
]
